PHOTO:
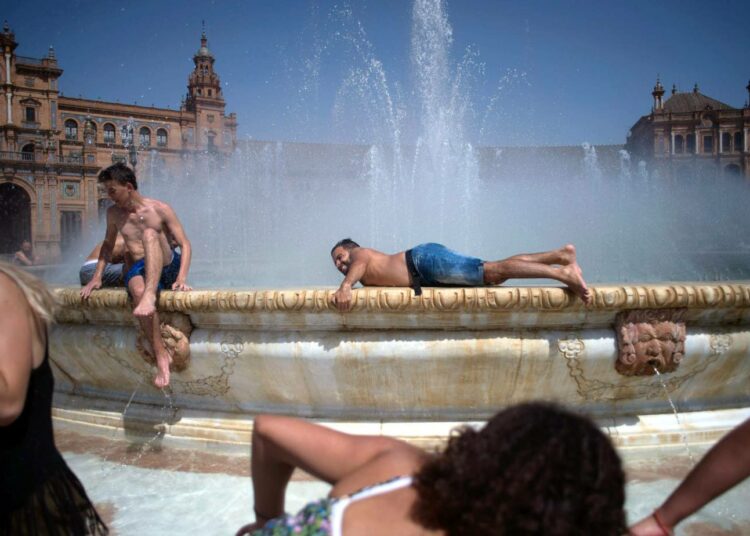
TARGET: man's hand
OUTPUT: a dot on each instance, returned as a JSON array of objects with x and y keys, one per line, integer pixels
[
  {"x": 181, "y": 284},
  {"x": 342, "y": 298},
  {"x": 92, "y": 285}
]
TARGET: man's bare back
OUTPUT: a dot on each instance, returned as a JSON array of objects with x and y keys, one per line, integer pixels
[
  {"x": 118, "y": 251},
  {"x": 381, "y": 269}
]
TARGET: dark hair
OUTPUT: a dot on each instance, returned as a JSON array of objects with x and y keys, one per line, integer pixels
[
  {"x": 346, "y": 243},
  {"x": 533, "y": 469},
  {"x": 118, "y": 172}
]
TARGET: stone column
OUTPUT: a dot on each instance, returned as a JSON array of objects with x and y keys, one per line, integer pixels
[
  {"x": 9, "y": 90},
  {"x": 671, "y": 148}
]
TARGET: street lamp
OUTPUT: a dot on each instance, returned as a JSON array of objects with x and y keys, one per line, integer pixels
[{"x": 128, "y": 141}]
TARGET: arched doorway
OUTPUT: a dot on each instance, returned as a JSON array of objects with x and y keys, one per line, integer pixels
[{"x": 15, "y": 217}]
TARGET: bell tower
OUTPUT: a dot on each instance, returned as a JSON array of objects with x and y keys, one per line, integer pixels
[
  {"x": 203, "y": 83},
  {"x": 204, "y": 104}
]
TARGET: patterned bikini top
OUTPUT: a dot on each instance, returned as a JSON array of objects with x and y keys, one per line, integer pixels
[{"x": 324, "y": 517}]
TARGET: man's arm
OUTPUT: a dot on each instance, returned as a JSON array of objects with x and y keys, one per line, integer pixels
[
  {"x": 178, "y": 233},
  {"x": 342, "y": 298},
  {"x": 23, "y": 259},
  {"x": 105, "y": 255},
  {"x": 725, "y": 465}
]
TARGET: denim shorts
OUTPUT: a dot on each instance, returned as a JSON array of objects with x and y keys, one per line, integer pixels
[
  {"x": 112, "y": 276},
  {"x": 438, "y": 265}
]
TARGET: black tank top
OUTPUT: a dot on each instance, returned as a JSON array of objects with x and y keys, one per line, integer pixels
[{"x": 36, "y": 485}]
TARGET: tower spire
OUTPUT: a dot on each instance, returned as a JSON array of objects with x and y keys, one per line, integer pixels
[{"x": 658, "y": 93}]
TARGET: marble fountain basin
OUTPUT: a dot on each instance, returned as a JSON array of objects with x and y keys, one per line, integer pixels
[{"x": 405, "y": 365}]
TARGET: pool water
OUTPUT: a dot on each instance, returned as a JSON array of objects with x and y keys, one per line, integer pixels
[{"x": 148, "y": 489}]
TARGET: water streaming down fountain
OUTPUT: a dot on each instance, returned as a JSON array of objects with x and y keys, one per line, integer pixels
[{"x": 266, "y": 219}]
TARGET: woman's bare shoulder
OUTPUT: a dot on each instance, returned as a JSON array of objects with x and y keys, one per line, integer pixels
[{"x": 401, "y": 460}]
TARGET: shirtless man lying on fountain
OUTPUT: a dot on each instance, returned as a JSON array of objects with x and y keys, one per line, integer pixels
[
  {"x": 433, "y": 265},
  {"x": 145, "y": 224}
]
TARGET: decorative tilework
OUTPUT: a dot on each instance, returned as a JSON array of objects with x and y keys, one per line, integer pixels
[{"x": 71, "y": 190}]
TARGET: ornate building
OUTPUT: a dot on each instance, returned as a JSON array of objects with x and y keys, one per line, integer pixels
[
  {"x": 692, "y": 132},
  {"x": 52, "y": 147}
]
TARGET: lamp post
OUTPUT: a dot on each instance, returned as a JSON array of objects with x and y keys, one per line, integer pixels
[{"x": 128, "y": 141}]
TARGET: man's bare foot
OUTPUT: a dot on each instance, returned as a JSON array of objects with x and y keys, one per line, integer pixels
[
  {"x": 573, "y": 277},
  {"x": 162, "y": 364},
  {"x": 567, "y": 255},
  {"x": 146, "y": 307}
]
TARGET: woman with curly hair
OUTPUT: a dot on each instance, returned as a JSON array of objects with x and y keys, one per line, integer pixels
[
  {"x": 534, "y": 468},
  {"x": 39, "y": 494}
]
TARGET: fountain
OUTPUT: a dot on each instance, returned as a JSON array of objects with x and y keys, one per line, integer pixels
[{"x": 661, "y": 257}]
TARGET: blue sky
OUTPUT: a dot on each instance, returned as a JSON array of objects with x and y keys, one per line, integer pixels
[{"x": 542, "y": 72}]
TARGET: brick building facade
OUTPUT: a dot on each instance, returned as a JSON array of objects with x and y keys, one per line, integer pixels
[
  {"x": 52, "y": 147},
  {"x": 690, "y": 132}
]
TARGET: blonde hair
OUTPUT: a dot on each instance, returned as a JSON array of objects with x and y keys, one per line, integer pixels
[{"x": 40, "y": 299}]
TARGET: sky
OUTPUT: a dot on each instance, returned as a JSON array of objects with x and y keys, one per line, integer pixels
[{"x": 532, "y": 72}]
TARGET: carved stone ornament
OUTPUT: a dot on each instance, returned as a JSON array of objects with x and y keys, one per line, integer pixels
[
  {"x": 175, "y": 332},
  {"x": 649, "y": 340}
]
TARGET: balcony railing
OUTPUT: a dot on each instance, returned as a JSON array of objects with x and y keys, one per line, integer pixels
[
  {"x": 10, "y": 155},
  {"x": 72, "y": 158}
]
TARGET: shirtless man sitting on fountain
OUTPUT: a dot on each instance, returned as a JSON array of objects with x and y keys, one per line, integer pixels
[
  {"x": 144, "y": 223},
  {"x": 435, "y": 265}
]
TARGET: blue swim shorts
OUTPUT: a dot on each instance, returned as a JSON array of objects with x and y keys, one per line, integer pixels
[
  {"x": 437, "y": 265},
  {"x": 168, "y": 273}
]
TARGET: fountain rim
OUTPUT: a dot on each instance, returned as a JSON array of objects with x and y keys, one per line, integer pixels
[{"x": 612, "y": 297}]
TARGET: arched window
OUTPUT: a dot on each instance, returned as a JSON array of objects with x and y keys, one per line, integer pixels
[
  {"x": 726, "y": 142},
  {"x": 690, "y": 143},
  {"x": 708, "y": 144},
  {"x": 27, "y": 152},
  {"x": 161, "y": 137},
  {"x": 109, "y": 133},
  {"x": 679, "y": 144},
  {"x": 145, "y": 137},
  {"x": 71, "y": 130},
  {"x": 739, "y": 142}
]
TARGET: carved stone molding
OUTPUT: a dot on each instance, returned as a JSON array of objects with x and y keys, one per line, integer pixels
[
  {"x": 480, "y": 299},
  {"x": 649, "y": 340}
]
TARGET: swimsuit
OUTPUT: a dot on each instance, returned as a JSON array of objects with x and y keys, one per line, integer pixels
[
  {"x": 112, "y": 276},
  {"x": 168, "y": 272},
  {"x": 434, "y": 265},
  {"x": 39, "y": 494},
  {"x": 325, "y": 517}
]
